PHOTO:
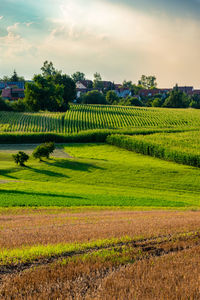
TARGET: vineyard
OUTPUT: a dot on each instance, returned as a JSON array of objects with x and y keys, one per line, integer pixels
[{"x": 84, "y": 117}]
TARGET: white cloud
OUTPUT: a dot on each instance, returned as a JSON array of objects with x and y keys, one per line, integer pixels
[{"x": 119, "y": 42}]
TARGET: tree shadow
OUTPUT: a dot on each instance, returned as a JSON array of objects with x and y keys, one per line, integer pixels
[
  {"x": 41, "y": 194},
  {"x": 6, "y": 172},
  {"x": 47, "y": 172},
  {"x": 73, "y": 165}
]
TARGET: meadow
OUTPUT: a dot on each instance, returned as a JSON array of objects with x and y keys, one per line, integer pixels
[
  {"x": 85, "y": 117},
  {"x": 99, "y": 175}
]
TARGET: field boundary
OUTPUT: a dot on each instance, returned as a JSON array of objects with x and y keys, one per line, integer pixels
[
  {"x": 87, "y": 136},
  {"x": 153, "y": 149}
]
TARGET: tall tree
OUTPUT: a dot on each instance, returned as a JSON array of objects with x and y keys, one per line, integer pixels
[
  {"x": 78, "y": 76},
  {"x": 176, "y": 99},
  {"x": 97, "y": 82},
  {"x": 14, "y": 78},
  {"x": 148, "y": 82},
  {"x": 44, "y": 94},
  {"x": 69, "y": 88},
  {"x": 48, "y": 69}
]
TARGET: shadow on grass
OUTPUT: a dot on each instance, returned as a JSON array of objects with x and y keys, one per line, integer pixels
[
  {"x": 72, "y": 165},
  {"x": 6, "y": 172},
  {"x": 47, "y": 172},
  {"x": 40, "y": 194}
]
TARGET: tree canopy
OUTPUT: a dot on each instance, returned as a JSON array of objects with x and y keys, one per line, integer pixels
[
  {"x": 97, "y": 83},
  {"x": 176, "y": 99},
  {"x": 14, "y": 77},
  {"x": 50, "y": 90},
  {"x": 78, "y": 76},
  {"x": 93, "y": 97},
  {"x": 148, "y": 82}
]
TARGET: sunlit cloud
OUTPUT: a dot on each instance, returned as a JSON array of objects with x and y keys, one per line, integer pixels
[{"x": 119, "y": 39}]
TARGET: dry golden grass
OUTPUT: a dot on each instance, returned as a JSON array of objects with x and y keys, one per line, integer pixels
[{"x": 28, "y": 228}]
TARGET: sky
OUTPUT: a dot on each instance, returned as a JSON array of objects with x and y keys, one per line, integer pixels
[{"x": 119, "y": 39}]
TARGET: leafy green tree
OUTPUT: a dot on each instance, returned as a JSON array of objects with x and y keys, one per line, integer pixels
[
  {"x": 20, "y": 158},
  {"x": 157, "y": 102},
  {"x": 176, "y": 99},
  {"x": 43, "y": 150},
  {"x": 44, "y": 94},
  {"x": 111, "y": 97},
  {"x": 195, "y": 101},
  {"x": 127, "y": 84},
  {"x": 69, "y": 89},
  {"x": 93, "y": 97},
  {"x": 78, "y": 76},
  {"x": 14, "y": 77},
  {"x": 19, "y": 105},
  {"x": 4, "y": 105},
  {"x": 131, "y": 101},
  {"x": 97, "y": 82},
  {"x": 148, "y": 82},
  {"x": 48, "y": 69}
]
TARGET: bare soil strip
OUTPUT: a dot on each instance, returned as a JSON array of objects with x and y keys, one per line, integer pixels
[
  {"x": 28, "y": 148},
  {"x": 142, "y": 249}
]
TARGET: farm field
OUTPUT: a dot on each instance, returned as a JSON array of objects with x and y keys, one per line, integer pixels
[
  {"x": 99, "y": 254},
  {"x": 96, "y": 221},
  {"x": 181, "y": 147},
  {"x": 85, "y": 117},
  {"x": 99, "y": 175}
]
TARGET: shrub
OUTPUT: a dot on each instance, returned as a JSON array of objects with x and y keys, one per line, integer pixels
[{"x": 20, "y": 158}]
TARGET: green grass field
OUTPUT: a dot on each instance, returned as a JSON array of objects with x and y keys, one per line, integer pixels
[
  {"x": 99, "y": 175},
  {"x": 85, "y": 117}
]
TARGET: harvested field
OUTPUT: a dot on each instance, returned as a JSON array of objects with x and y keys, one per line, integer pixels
[
  {"x": 32, "y": 228},
  {"x": 157, "y": 268}
]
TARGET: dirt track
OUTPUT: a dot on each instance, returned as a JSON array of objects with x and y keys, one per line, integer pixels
[{"x": 28, "y": 148}]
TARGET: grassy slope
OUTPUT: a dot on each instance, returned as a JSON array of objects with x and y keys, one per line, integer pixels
[{"x": 101, "y": 175}]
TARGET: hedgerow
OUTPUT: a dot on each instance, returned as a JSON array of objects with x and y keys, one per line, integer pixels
[
  {"x": 160, "y": 150},
  {"x": 88, "y": 136}
]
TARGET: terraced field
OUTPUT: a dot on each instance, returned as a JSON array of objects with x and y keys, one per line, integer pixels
[{"x": 84, "y": 117}]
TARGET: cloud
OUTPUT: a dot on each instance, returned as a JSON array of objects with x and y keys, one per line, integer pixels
[
  {"x": 121, "y": 40},
  {"x": 1, "y": 17}
]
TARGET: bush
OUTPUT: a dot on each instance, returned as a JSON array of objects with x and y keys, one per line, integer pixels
[
  {"x": 44, "y": 150},
  {"x": 5, "y": 105},
  {"x": 93, "y": 97},
  {"x": 20, "y": 158}
]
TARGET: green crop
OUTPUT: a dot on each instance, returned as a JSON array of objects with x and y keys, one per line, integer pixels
[{"x": 85, "y": 117}]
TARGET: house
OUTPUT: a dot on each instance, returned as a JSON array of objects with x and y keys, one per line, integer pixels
[
  {"x": 12, "y": 93},
  {"x": 123, "y": 92},
  {"x": 84, "y": 84},
  {"x": 18, "y": 84}
]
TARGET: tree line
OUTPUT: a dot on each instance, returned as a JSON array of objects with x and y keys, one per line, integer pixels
[{"x": 53, "y": 91}]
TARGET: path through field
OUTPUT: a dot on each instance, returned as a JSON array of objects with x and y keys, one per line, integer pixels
[{"x": 28, "y": 148}]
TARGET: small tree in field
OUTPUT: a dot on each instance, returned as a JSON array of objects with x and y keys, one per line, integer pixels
[
  {"x": 20, "y": 158},
  {"x": 43, "y": 150}
]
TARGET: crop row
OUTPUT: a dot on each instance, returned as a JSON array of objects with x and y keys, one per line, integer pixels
[
  {"x": 181, "y": 148},
  {"x": 85, "y": 117}
]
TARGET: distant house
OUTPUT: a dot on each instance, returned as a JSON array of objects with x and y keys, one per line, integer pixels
[
  {"x": 18, "y": 84},
  {"x": 123, "y": 92},
  {"x": 84, "y": 84},
  {"x": 12, "y": 93}
]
